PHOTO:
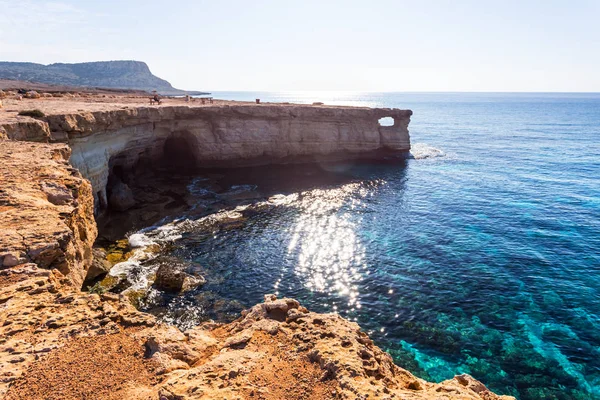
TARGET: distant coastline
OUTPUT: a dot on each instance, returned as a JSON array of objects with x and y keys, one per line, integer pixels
[{"x": 102, "y": 75}]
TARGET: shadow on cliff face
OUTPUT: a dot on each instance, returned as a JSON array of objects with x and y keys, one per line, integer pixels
[
  {"x": 179, "y": 152},
  {"x": 150, "y": 192},
  {"x": 154, "y": 186}
]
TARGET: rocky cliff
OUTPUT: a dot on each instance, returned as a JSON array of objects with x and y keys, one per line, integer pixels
[
  {"x": 105, "y": 74},
  {"x": 46, "y": 210},
  {"x": 216, "y": 135},
  {"x": 57, "y": 342}
]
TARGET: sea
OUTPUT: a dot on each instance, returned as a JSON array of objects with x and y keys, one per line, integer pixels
[{"x": 480, "y": 254}]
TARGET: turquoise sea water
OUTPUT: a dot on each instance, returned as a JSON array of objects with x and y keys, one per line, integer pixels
[{"x": 480, "y": 257}]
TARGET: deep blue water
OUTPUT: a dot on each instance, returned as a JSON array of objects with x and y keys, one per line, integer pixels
[{"x": 484, "y": 260}]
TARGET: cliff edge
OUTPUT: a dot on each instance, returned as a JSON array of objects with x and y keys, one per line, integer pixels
[{"x": 106, "y": 136}]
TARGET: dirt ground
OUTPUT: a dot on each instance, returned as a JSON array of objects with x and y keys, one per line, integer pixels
[{"x": 100, "y": 367}]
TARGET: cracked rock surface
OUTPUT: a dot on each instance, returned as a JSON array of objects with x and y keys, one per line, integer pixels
[
  {"x": 46, "y": 210},
  {"x": 59, "y": 343}
]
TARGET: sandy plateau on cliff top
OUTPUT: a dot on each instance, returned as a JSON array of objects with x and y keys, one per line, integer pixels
[{"x": 93, "y": 102}]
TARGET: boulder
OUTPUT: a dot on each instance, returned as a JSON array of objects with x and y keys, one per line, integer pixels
[
  {"x": 100, "y": 264},
  {"x": 173, "y": 278},
  {"x": 121, "y": 197},
  {"x": 32, "y": 94}
]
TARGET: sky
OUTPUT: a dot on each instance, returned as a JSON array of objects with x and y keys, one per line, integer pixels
[{"x": 329, "y": 45}]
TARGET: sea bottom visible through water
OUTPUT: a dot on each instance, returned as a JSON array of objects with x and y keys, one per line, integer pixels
[{"x": 479, "y": 256}]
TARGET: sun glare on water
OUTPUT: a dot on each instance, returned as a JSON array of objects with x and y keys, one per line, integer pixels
[{"x": 330, "y": 256}]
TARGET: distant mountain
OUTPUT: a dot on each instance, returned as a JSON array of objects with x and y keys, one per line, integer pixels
[{"x": 102, "y": 74}]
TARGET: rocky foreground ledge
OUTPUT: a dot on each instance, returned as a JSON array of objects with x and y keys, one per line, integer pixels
[{"x": 57, "y": 342}]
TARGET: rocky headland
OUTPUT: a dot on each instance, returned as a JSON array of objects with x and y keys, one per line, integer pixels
[
  {"x": 121, "y": 74},
  {"x": 61, "y": 168}
]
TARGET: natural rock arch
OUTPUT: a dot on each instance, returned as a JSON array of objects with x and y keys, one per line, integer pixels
[{"x": 387, "y": 121}]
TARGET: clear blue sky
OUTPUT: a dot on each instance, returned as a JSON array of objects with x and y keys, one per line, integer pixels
[{"x": 369, "y": 45}]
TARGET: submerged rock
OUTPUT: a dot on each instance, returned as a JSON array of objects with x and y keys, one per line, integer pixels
[
  {"x": 173, "y": 278},
  {"x": 119, "y": 251}
]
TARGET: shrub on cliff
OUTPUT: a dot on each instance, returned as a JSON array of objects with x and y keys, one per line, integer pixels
[{"x": 32, "y": 113}]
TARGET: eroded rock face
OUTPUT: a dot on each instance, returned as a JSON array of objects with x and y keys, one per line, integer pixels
[
  {"x": 216, "y": 135},
  {"x": 46, "y": 210},
  {"x": 26, "y": 129},
  {"x": 100, "y": 264},
  {"x": 224, "y": 135}
]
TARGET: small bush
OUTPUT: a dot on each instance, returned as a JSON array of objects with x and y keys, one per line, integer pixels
[{"x": 32, "y": 113}]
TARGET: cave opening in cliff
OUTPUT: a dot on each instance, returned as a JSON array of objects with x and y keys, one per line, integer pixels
[
  {"x": 119, "y": 172},
  {"x": 179, "y": 151}
]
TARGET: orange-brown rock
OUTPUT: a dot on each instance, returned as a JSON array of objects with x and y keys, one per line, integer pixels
[
  {"x": 58, "y": 343},
  {"x": 46, "y": 210}
]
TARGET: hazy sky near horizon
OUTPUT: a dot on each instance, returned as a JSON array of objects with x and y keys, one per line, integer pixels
[{"x": 377, "y": 45}]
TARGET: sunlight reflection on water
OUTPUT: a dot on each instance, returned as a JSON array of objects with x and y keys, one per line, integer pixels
[{"x": 329, "y": 253}]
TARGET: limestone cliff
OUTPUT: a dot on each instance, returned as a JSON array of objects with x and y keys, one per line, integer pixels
[
  {"x": 46, "y": 210},
  {"x": 230, "y": 135}
]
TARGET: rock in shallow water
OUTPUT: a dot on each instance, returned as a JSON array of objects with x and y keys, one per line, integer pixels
[{"x": 173, "y": 278}]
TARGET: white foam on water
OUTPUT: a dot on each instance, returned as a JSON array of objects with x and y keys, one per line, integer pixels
[
  {"x": 139, "y": 272},
  {"x": 136, "y": 269},
  {"x": 139, "y": 240},
  {"x": 282, "y": 199},
  {"x": 198, "y": 186},
  {"x": 123, "y": 268},
  {"x": 421, "y": 151}
]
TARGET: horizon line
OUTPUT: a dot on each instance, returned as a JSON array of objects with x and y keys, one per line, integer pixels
[{"x": 405, "y": 92}]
